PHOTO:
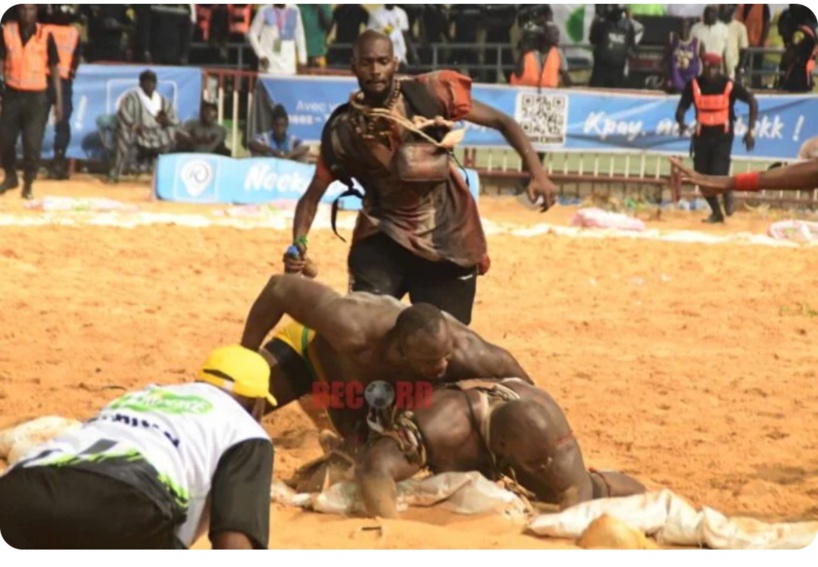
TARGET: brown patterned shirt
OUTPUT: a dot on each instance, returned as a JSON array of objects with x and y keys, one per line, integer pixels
[{"x": 435, "y": 221}]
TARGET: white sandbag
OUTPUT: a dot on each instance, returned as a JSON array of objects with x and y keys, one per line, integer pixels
[
  {"x": 19, "y": 440},
  {"x": 461, "y": 493},
  {"x": 794, "y": 231},
  {"x": 672, "y": 521},
  {"x": 598, "y": 218}
]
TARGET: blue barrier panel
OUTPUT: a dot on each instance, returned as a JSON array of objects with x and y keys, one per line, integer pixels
[
  {"x": 97, "y": 91},
  {"x": 575, "y": 120},
  {"x": 205, "y": 178}
]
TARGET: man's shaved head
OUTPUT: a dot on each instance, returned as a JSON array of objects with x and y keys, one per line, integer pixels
[
  {"x": 369, "y": 37},
  {"x": 374, "y": 64}
]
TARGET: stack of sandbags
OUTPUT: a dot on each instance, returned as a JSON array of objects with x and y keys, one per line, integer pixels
[
  {"x": 19, "y": 440},
  {"x": 672, "y": 521}
]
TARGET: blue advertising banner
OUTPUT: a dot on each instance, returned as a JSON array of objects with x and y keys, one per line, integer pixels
[
  {"x": 206, "y": 178},
  {"x": 575, "y": 120},
  {"x": 97, "y": 92}
]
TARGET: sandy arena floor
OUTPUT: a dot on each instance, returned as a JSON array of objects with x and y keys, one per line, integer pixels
[{"x": 690, "y": 366}]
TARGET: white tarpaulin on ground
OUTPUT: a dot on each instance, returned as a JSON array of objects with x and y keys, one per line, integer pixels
[
  {"x": 461, "y": 493},
  {"x": 672, "y": 521}
]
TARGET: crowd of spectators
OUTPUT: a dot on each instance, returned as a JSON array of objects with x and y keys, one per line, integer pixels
[{"x": 289, "y": 39}]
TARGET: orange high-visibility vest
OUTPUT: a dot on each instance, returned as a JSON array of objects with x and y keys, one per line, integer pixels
[
  {"x": 66, "y": 38},
  {"x": 536, "y": 75},
  {"x": 239, "y": 17},
  {"x": 753, "y": 21},
  {"x": 204, "y": 13},
  {"x": 712, "y": 110},
  {"x": 25, "y": 66}
]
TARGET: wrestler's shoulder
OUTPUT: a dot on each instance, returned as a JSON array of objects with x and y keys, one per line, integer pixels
[{"x": 443, "y": 76}]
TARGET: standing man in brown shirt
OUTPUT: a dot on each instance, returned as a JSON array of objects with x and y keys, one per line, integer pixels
[{"x": 419, "y": 230}]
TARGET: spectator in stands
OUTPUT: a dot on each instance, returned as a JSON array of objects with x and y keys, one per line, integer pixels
[
  {"x": 203, "y": 135},
  {"x": 798, "y": 61},
  {"x": 614, "y": 39},
  {"x": 711, "y": 33},
  {"x": 29, "y": 58},
  {"x": 682, "y": 59},
  {"x": 348, "y": 20},
  {"x": 537, "y": 13},
  {"x": 466, "y": 19},
  {"x": 393, "y": 21},
  {"x": 542, "y": 63},
  {"x": 735, "y": 55},
  {"x": 277, "y": 37},
  {"x": 146, "y": 125},
  {"x": 317, "y": 20},
  {"x": 434, "y": 28},
  {"x": 278, "y": 142},
  {"x": 497, "y": 21},
  {"x": 60, "y": 20},
  {"x": 106, "y": 24},
  {"x": 791, "y": 19},
  {"x": 164, "y": 32},
  {"x": 714, "y": 96},
  {"x": 756, "y": 18}
]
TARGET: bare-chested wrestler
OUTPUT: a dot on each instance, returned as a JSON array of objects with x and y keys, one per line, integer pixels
[
  {"x": 361, "y": 338},
  {"x": 506, "y": 428},
  {"x": 798, "y": 176}
]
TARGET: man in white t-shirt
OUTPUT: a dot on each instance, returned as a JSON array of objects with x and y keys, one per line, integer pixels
[
  {"x": 711, "y": 33},
  {"x": 155, "y": 469},
  {"x": 277, "y": 37},
  {"x": 394, "y": 22},
  {"x": 735, "y": 56}
]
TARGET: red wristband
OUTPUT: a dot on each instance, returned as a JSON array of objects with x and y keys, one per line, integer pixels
[{"x": 747, "y": 181}]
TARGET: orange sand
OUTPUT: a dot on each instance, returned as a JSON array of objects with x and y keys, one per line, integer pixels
[{"x": 689, "y": 366}]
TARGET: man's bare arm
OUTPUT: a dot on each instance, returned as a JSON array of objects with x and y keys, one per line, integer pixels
[
  {"x": 307, "y": 206},
  {"x": 312, "y": 304},
  {"x": 481, "y": 359}
]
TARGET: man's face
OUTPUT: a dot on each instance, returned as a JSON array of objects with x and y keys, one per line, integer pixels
[
  {"x": 280, "y": 128},
  {"x": 148, "y": 86},
  {"x": 710, "y": 15},
  {"x": 375, "y": 65},
  {"x": 209, "y": 115},
  {"x": 685, "y": 32},
  {"x": 428, "y": 356},
  {"x": 552, "y": 35},
  {"x": 27, "y": 14},
  {"x": 710, "y": 71}
]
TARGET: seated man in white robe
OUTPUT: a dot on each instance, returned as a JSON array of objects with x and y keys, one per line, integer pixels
[{"x": 146, "y": 124}]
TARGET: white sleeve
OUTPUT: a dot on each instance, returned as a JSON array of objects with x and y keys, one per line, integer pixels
[
  {"x": 743, "y": 40},
  {"x": 403, "y": 19},
  {"x": 254, "y": 33},
  {"x": 300, "y": 39}
]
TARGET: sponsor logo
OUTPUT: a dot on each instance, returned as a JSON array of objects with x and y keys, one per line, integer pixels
[{"x": 196, "y": 175}]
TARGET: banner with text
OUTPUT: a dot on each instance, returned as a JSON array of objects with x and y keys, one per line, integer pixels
[
  {"x": 575, "y": 120},
  {"x": 97, "y": 92},
  {"x": 206, "y": 178}
]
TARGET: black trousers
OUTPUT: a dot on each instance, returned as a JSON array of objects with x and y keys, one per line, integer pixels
[
  {"x": 26, "y": 112},
  {"x": 379, "y": 265},
  {"x": 65, "y": 508},
  {"x": 711, "y": 155},
  {"x": 62, "y": 130}
]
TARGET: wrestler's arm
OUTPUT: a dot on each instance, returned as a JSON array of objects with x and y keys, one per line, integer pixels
[
  {"x": 793, "y": 177},
  {"x": 312, "y": 304},
  {"x": 308, "y": 205},
  {"x": 492, "y": 118},
  {"x": 477, "y": 358}
]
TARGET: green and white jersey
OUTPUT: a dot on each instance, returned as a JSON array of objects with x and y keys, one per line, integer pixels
[{"x": 165, "y": 440}]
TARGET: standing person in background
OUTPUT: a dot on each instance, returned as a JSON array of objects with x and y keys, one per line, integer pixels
[
  {"x": 394, "y": 22},
  {"x": 682, "y": 60},
  {"x": 348, "y": 19},
  {"x": 163, "y": 33},
  {"x": 106, "y": 27},
  {"x": 277, "y": 37},
  {"x": 614, "y": 39},
  {"x": 714, "y": 96},
  {"x": 542, "y": 63},
  {"x": 735, "y": 55},
  {"x": 317, "y": 20},
  {"x": 798, "y": 61},
  {"x": 434, "y": 28},
  {"x": 29, "y": 53},
  {"x": 711, "y": 33},
  {"x": 756, "y": 18},
  {"x": 60, "y": 24},
  {"x": 497, "y": 21}
]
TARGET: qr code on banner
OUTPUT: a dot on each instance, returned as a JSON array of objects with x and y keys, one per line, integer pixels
[{"x": 543, "y": 117}]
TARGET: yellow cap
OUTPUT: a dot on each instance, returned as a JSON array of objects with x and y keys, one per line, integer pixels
[{"x": 240, "y": 371}]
